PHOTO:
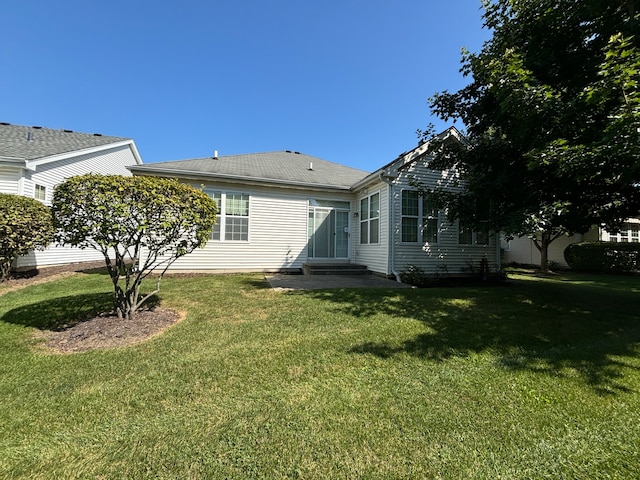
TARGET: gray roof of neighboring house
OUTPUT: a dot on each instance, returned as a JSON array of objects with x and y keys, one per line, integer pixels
[
  {"x": 31, "y": 143},
  {"x": 281, "y": 167}
]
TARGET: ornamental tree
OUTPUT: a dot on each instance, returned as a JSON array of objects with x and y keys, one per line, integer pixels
[
  {"x": 140, "y": 225},
  {"x": 25, "y": 225},
  {"x": 553, "y": 119}
]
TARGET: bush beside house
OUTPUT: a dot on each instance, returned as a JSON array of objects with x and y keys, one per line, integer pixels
[
  {"x": 603, "y": 256},
  {"x": 25, "y": 224}
]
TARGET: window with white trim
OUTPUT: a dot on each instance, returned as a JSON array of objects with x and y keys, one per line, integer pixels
[
  {"x": 370, "y": 219},
  {"x": 470, "y": 236},
  {"x": 419, "y": 223},
  {"x": 40, "y": 192},
  {"x": 627, "y": 234},
  {"x": 232, "y": 220}
]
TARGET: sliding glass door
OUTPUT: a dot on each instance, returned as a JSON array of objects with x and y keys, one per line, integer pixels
[{"x": 328, "y": 233}]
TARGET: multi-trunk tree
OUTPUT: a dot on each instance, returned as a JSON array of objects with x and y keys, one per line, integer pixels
[
  {"x": 552, "y": 118},
  {"x": 141, "y": 225}
]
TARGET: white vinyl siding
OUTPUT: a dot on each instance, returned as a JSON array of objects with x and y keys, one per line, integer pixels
[
  {"x": 278, "y": 234},
  {"x": 108, "y": 162},
  {"x": 57, "y": 255},
  {"x": 9, "y": 181},
  {"x": 446, "y": 256}
]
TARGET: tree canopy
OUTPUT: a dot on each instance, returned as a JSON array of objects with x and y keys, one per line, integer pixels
[
  {"x": 140, "y": 224},
  {"x": 25, "y": 225},
  {"x": 552, "y": 117}
]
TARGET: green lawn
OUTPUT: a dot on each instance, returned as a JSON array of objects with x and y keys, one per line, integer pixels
[{"x": 535, "y": 379}]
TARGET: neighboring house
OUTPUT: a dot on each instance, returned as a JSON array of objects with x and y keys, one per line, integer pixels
[
  {"x": 33, "y": 160},
  {"x": 279, "y": 211},
  {"x": 523, "y": 251}
]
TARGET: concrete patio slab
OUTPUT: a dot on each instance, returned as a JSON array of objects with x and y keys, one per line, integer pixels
[{"x": 318, "y": 282}]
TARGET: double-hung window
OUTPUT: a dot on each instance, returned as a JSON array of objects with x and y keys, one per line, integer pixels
[
  {"x": 419, "y": 218},
  {"x": 628, "y": 233},
  {"x": 40, "y": 192},
  {"x": 232, "y": 220},
  {"x": 429, "y": 221},
  {"x": 370, "y": 219},
  {"x": 470, "y": 236}
]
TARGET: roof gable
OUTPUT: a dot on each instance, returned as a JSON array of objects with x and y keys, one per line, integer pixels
[{"x": 390, "y": 170}]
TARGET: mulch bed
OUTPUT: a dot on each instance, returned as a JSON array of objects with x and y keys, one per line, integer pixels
[
  {"x": 108, "y": 331},
  {"x": 101, "y": 332}
]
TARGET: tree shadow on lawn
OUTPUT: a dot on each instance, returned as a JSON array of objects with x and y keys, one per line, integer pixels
[
  {"x": 221, "y": 280},
  {"x": 64, "y": 312},
  {"x": 558, "y": 330}
]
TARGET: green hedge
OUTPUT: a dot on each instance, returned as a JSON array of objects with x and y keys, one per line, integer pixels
[{"x": 603, "y": 256}]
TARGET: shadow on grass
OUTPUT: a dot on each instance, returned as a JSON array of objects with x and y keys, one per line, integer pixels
[
  {"x": 558, "y": 330},
  {"x": 222, "y": 280},
  {"x": 254, "y": 283},
  {"x": 65, "y": 312},
  {"x": 95, "y": 271}
]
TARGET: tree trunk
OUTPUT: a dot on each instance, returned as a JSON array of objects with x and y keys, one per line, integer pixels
[
  {"x": 544, "y": 253},
  {"x": 5, "y": 270},
  {"x": 543, "y": 247}
]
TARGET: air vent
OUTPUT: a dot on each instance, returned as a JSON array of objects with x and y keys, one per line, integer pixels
[
  {"x": 4, "y": 123},
  {"x": 97, "y": 134},
  {"x": 36, "y": 127},
  {"x": 288, "y": 151},
  {"x": 297, "y": 153},
  {"x": 68, "y": 131}
]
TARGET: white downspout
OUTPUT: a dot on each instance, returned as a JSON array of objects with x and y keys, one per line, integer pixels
[{"x": 392, "y": 227}]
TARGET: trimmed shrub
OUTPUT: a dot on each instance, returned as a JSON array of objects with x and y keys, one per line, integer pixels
[
  {"x": 141, "y": 225},
  {"x": 603, "y": 256},
  {"x": 25, "y": 225}
]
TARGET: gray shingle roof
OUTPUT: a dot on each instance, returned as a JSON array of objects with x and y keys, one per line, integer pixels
[
  {"x": 281, "y": 167},
  {"x": 30, "y": 143}
]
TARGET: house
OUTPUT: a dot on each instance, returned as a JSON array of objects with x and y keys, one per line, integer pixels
[
  {"x": 280, "y": 211},
  {"x": 33, "y": 160},
  {"x": 522, "y": 250}
]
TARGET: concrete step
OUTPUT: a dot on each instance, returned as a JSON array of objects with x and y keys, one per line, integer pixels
[{"x": 335, "y": 269}]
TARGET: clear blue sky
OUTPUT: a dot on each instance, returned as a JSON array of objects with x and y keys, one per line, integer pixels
[{"x": 342, "y": 80}]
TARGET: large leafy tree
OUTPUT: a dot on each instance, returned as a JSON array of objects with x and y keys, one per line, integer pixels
[
  {"x": 552, "y": 117},
  {"x": 141, "y": 225},
  {"x": 25, "y": 225}
]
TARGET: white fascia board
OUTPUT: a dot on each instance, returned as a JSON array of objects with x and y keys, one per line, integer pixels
[
  {"x": 227, "y": 178},
  {"x": 32, "y": 164},
  {"x": 135, "y": 152},
  {"x": 375, "y": 177}
]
